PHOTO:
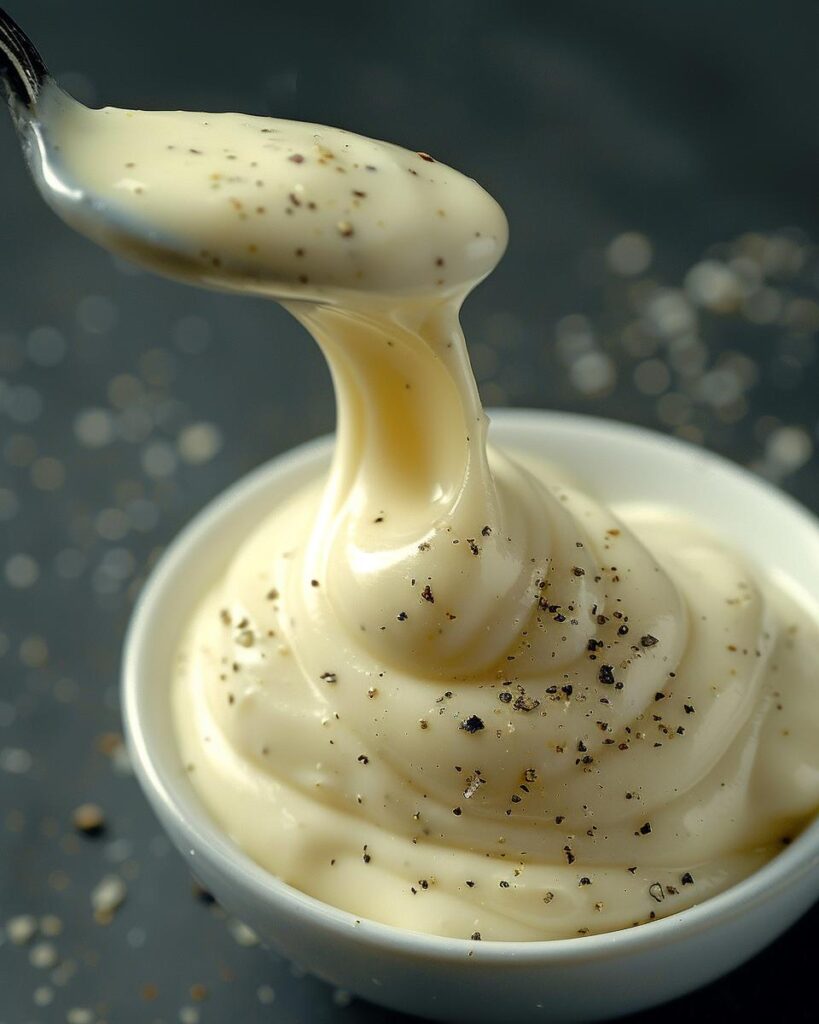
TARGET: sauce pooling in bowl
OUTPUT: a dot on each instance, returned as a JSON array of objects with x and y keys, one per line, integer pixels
[{"x": 442, "y": 688}]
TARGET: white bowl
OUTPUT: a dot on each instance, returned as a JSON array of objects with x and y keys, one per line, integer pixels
[{"x": 589, "y": 978}]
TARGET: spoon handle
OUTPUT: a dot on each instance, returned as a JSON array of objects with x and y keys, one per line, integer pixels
[{"x": 22, "y": 70}]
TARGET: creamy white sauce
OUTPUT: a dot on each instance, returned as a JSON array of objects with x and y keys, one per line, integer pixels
[
  {"x": 441, "y": 688},
  {"x": 259, "y": 204}
]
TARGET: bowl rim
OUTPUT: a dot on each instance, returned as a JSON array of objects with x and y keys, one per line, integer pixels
[{"x": 208, "y": 840}]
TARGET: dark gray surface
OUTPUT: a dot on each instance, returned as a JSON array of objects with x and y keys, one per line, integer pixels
[{"x": 694, "y": 124}]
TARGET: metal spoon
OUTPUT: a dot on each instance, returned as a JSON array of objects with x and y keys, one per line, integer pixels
[
  {"x": 22, "y": 69},
  {"x": 33, "y": 98},
  {"x": 75, "y": 156}
]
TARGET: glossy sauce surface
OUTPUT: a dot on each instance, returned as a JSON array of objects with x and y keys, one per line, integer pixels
[{"x": 442, "y": 688}]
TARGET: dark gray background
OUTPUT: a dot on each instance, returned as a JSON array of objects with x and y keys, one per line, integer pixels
[{"x": 126, "y": 401}]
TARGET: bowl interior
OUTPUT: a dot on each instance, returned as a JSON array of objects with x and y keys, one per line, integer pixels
[{"x": 618, "y": 463}]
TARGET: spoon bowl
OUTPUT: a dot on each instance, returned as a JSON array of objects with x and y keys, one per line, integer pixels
[{"x": 252, "y": 204}]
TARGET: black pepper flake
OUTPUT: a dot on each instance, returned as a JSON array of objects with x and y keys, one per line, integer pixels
[
  {"x": 486, "y": 531},
  {"x": 648, "y": 640},
  {"x": 472, "y": 724},
  {"x": 567, "y": 689},
  {"x": 329, "y": 677},
  {"x": 659, "y": 695},
  {"x": 524, "y": 703},
  {"x": 578, "y": 571},
  {"x": 570, "y": 857},
  {"x": 402, "y": 616},
  {"x": 363, "y": 759},
  {"x": 585, "y": 880},
  {"x": 427, "y": 157},
  {"x": 457, "y": 811},
  {"x": 476, "y": 936},
  {"x": 645, "y": 828},
  {"x": 687, "y": 878},
  {"x": 606, "y": 674},
  {"x": 201, "y": 893},
  {"x": 470, "y": 883},
  {"x": 689, "y": 709},
  {"x": 365, "y": 856},
  {"x": 427, "y": 594},
  {"x": 504, "y": 885},
  {"x": 505, "y": 697},
  {"x": 622, "y": 630}
]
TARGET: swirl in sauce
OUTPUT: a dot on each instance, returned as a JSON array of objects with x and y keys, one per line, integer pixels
[{"x": 441, "y": 688}]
